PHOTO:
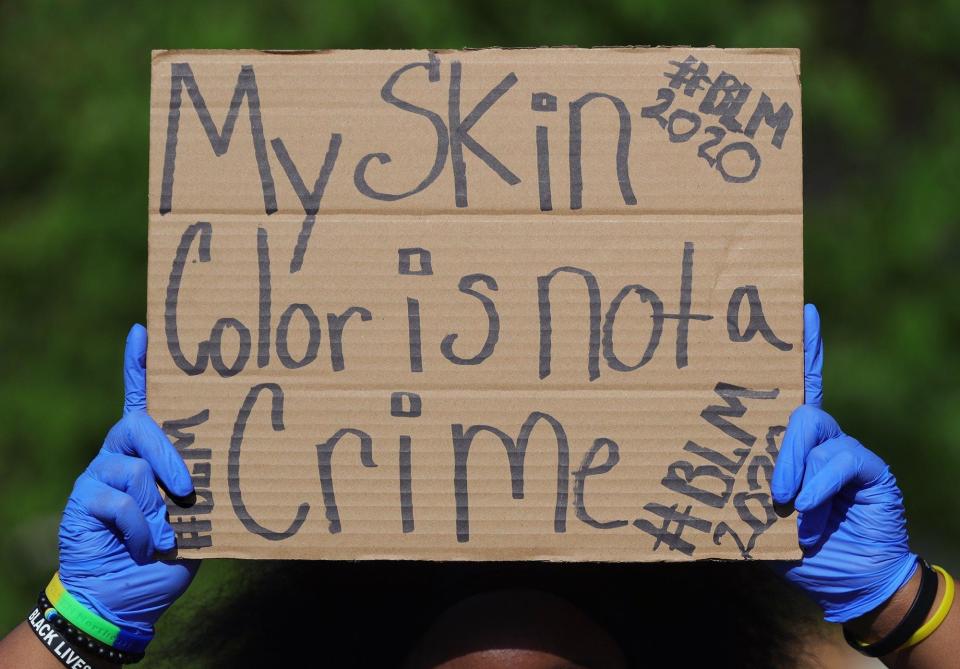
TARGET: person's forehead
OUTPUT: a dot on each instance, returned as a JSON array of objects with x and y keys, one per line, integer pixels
[
  {"x": 516, "y": 629},
  {"x": 512, "y": 659}
]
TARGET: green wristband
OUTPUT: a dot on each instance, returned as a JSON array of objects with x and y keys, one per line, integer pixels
[{"x": 80, "y": 616}]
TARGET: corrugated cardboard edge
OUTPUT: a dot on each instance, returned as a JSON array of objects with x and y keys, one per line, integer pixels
[{"x": 793, "y": 53}]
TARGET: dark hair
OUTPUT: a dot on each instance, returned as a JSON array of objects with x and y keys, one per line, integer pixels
[{"x": 370, "y": 614}]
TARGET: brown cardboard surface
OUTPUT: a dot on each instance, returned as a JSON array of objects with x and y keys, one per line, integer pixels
[{"x": 493, "y": 304}]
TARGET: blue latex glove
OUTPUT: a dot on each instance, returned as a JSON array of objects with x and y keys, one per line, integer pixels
[
  {"x": 851, "y": 521},
  {"x": 115, "y": 520}
]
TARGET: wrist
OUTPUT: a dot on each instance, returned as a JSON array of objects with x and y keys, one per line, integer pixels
[
  {"x": 910, "y": 616},
  {"x": 858, "y": 595},
  {"x": 89, "y": 619},
  {"x": 80, "y": 629},
  {"x": 879, "y": 622},
  {"x": 60, "y": 649}
]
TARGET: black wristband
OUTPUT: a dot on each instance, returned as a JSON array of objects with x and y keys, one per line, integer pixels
[
  {"x": 919, "y": 610},
  {"x": 56, "y": 643},
  {"x": 94, "y": 648}
]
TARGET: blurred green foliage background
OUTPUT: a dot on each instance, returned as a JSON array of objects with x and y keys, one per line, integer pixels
[{"x": 881, "y": 107}]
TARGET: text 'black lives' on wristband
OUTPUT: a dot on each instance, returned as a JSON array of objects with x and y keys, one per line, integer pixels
[
  {"x": 56, "y": 642},
  {"x": 91, "y": 646}
]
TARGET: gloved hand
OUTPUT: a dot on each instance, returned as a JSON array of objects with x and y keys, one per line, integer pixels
[
  {"x": 115, "y": 520},
  {"x": 851, "y": 522}
]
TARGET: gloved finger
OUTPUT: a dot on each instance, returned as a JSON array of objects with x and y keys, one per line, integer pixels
[
  {"x": 808, "y": 427},
  {"x": 135, "y": 370},
  {"x": 140, "y": 435},
  {"x": 135, "y": 477},
  {"x": 812, "y": 357},
  {"x": 117, "y": 511},
  {"x": 825, "y": 481},
  {"x": 137, "y": 434},
  {"x": 191, "y": 566},
  {"x": 834, "y": 464}
]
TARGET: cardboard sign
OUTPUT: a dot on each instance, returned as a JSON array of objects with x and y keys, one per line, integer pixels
[{"x": 496, "y": 304}]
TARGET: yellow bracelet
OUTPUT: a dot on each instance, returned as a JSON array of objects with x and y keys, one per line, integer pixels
[{"x": 939, "y": 615}]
